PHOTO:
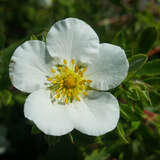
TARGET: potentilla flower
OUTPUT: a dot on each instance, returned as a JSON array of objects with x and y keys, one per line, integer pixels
[{"x": 65, "y": 75}]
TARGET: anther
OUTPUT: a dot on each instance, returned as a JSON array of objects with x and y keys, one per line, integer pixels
[
  {"x": 77, "y": 98},
  {"x": 76, "y": 68},
  {"x": 89, "y": 81},
  {"x": 85, "y": 93},
  {"x": 65, "y": 61},
  {"x": 82, "y": 82},
  {"x": 73, "y": 61},
  {"x": 63, "y": 91},
  {"x": 54, "y": 82},
  {"x": 53, "y": 70},
  {"x": 62, "y": 81},
  {"x": 60, "y": 68},
  {"x": 81, "y": 74},
  {"x": 58, "y": 95},
  {"x": 84, "y": 69},
  {"x": 49, "y": 78},
  {"x": 66, "y": 100}
]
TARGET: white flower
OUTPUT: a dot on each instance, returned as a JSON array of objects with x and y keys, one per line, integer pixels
[{"x": 60, "y": 73}]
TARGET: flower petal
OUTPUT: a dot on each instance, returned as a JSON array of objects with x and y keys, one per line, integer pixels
[
  {"x": 29, "y": 66},
  {"x": 110, "y": 69},
  {"x": 72, "y": 38},
  {"x": 50, "y": 118},
  {"x": 96, "y": 115}
]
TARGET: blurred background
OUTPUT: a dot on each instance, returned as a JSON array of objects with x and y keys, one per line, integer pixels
[{"x": 132, "y": 24}]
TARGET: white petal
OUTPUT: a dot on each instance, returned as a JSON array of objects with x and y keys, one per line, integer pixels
[
  {"x": 96, "y": 115},
  {"x": 72, "y": 38},
  {"x": 29, "y": 66},
  {"x": 110, "y": 69},
  {"x": 50, "y": 118}
]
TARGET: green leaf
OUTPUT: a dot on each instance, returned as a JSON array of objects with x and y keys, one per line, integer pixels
[
  {"x": 136, "y": 62},
  {"x": 151, "y": 68},
  {"x": 119, "y": 39},
  {"x": 5, "y": 97},
  {"x": 35, "y": 130},
  {"x": 128, "y": 113},
  {"x": 52, "y": 140},
  {"x": 98, "y": 155},
  {"x": 122, "y": 133},
  {"x": 33, "y": 37},
  {"x": 154, "y": 81},
  {"x": 147, "y": 39}
]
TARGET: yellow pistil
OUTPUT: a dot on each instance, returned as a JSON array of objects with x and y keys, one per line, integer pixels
[{"x": 69, "y": 83}]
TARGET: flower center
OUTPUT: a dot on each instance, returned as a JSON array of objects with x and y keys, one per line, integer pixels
[{"x": 68, "y": 82}]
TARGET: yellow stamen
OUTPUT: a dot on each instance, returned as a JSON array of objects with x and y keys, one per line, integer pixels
[
  {"x": 65, "y": 61},
  {"x": 81, "y": 74},
  {"x": 70, "y": 90},
  {"x": 63, "y": 91},
  {"x": 60, "y": 68},
  {"x": 89, "y": 81},
  {"x": 85, "y": 93},
  {"x": 66, "y": 69},
  {"x": 77, "y": 98},
  {"x": 82, "y": 82},
  {"x": 73, "y": 61},
  {"x": 66, "y": 100},
  {"x": 53, "y": 70},
  {"x": 69, "y": 83},
  {"x": 62, "y": 81},
  {"x": 69, "y": 94},
  {"x": 54, "y": 82},
  {"x": 76, "y": 68},
  {"x": 49, "y": 78},
  {"x": 61, "y": 85},
  {"x": 58, "y": 95},
  {"x": 84, "y": 69}
]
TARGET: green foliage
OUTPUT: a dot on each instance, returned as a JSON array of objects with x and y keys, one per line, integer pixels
[
  {"x": 98, "y": 155},
  {"x": 151, "y": 68},
  {"x": 135, "y": 27},
  {"x": 146, "y": 39},
  {"x": 136, "y": 62}
]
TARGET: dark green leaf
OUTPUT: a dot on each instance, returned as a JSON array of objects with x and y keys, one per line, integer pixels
[
  {"x": 121, "y": 132},
  {"x": 98, "y": 155},
  {"x": 151, "y": 68},
  {"x": 52, "y": 140},
  {"x": 147, "y": 39},
  {"x": 35, "y": 130},
  {"x": 154, "y": 81},
  {"x": 137, "y": 62}
]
